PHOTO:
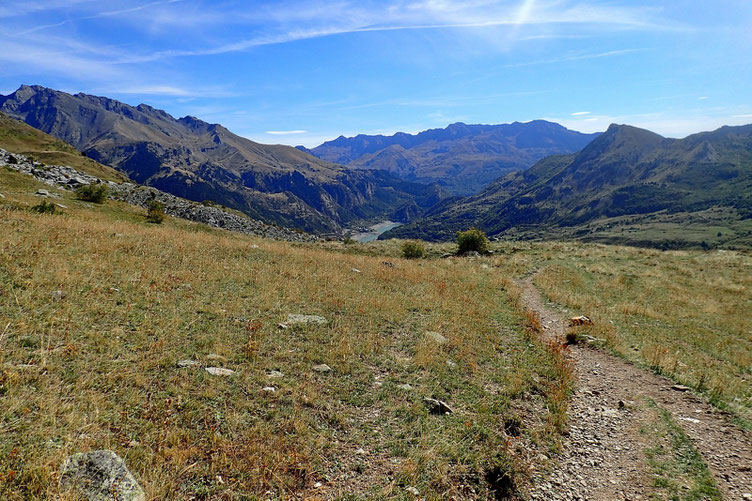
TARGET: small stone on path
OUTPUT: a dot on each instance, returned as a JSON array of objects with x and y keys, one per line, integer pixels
[{"x": 679, "y": 387}]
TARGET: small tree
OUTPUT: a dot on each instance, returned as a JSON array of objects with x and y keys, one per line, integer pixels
[
  {"x": 472, "y": 240},
  {"x": 96, "y": 193},
  {"x": 155, "y": 212},
  {"x": 413, "y": 249}
]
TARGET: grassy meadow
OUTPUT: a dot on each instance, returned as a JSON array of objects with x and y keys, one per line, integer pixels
[
  {"x": 97, "y": 306},
  {"x": 684, "y": 314}
]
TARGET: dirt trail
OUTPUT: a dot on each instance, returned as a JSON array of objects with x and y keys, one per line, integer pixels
[{"x": 603, "y": 456}]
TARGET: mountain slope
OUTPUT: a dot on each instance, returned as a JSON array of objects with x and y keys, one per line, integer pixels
[
  {"x": 17, "y": 137},
  {"x": 462, "y": 158},
  {"x": 200, "y": 161},
  {"x": 625, "y": 172}
]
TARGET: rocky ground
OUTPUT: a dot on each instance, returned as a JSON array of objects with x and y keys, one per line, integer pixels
[
  {"x": 61, "y": 176},
  {"x": 604, "y": 453}
]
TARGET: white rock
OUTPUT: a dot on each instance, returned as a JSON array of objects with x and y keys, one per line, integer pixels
[
  {"x": 322, "y": 368},
  {"x": 268, "y": 389},
  {"x": 355, "y": 270},
  {"x": 188, "y": 363},
  {"x": 436, "y": 337},
  {"x": 275, "y": 374},
  {"x": 219, "y": 371},
  {"x": 405, "y": 387},
  {"x": 413, "y": 491},
  {"x": 295, "y": 318}
]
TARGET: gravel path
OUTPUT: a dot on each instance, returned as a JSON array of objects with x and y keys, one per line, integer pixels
[{"x": 603, "y": 456}]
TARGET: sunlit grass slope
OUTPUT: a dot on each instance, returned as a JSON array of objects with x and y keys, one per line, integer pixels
[
  {"x": 97, "y": 307},
  {"x": 685, "y": 314}
]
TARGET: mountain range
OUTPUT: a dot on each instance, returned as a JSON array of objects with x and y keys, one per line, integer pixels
[
  {"x": 626, "y": 171},
  {"x": 461, "y": 158},
  {"x": 200, "y": 161}
]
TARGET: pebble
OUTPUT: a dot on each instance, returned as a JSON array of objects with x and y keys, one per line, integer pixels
[
  {"x": 413, "y": 491},
  {"x": 219, "y": 371},
  {"x": 355, "y": 270},
  {"x": 188, "y": 363},
  {"x": 269, "y": 389},
  {"x": 405, "y": 387},
  {"x": 296, "y": 318},
  {"x": 322, "y": 368},
  {"x": 275, "y": 374}
]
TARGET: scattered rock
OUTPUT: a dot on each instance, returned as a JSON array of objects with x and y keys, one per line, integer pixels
[
  {"x": 690, "y": 420},
  {"x": 436, "y": 337},
  {"x": 679, "y": 387},
  {"x": 355, "y": 270},
  {"x": 405, "y": 387},
  {"x": 219, "y": 371},
  {"x": 413, "y": 491},
  {"x": 322, "y": 368},
  {"x": 43, "y": 193},
  {"x": 451, "y": 363},
  {"x": 361, "y": 452},
  {"x": 275, "y": 374},
  {"x": 61, "y": 206},
  {"x": 269, "y": 389},
  {"x": 295, "y": 319},
  {"x": 2, "y": 196},
  {"x": 581, "y": 320},
  {"x": 58, "y": 294},
  {"x": 447, "y": 255},
  {"x": 188, "y": 363},
  {"x": 317, "y": 485},
  {"x": 100, "y": 476},
  {"x": 437, "y": 406}
]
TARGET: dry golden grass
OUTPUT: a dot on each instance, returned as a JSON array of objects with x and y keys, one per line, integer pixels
[
  {"x": 684, "y": 313},
  {"x": 97, "y": 306}
]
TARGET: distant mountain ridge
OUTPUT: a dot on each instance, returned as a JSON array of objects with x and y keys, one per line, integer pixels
[
  {"x": 626, "y": 171},
  {"x": 462, "y": 158},
  {"x": 200, "y": 161}
]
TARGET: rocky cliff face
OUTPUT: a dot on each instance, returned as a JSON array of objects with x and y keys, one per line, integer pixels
[{"x": 201, "y": 161}]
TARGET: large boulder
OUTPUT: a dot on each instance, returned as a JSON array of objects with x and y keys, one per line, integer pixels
[{"x": 100, "y": 476}]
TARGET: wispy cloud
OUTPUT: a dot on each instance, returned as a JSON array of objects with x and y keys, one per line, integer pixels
[
  {"x": 580, "y": 113},
  {"x": 285, "y": 132}
]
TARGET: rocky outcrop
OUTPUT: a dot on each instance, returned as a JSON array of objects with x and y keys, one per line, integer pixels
[{"x": 65, "y": 177}]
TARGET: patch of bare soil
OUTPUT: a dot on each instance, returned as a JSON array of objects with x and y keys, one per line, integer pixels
[{"x": 603, "y": 457}]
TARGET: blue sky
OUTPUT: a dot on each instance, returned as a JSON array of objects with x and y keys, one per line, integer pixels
[{"x": 297, "y": 72}]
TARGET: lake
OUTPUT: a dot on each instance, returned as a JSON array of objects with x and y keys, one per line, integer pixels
[{"x": 374, "y": 231}]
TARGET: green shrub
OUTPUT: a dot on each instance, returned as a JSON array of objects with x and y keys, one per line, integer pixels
[
  {"x": 96, "y": 193},
  {"x": 413, "y": 249},
  {"x": 472, "y": 240},
  {"x": 155, "y": 212},
  {"x": 44, "y": 207},
  {"x": 348, "y": 241}
]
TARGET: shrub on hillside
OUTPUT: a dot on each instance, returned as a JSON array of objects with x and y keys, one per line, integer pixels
[
  {"x": 155, "y": 212},
  {"x": 96, "y": 193},
  {"x": 44, "y": 207},
  {"x": 413, "y": 249},
  {"x": 472, "y": 240}
]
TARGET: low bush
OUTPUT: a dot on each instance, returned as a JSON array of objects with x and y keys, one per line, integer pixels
[
  {"x": 413, "y": 249},
  {"x": 44, "y": 207},
  {"x": 96, "y": 193},
  {"x": 472, "y": 240},
  {"x": 155, "y": 212}
]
